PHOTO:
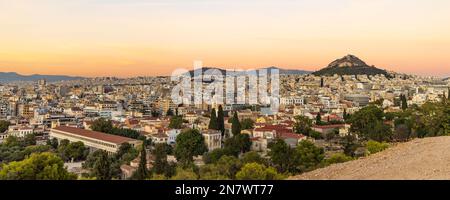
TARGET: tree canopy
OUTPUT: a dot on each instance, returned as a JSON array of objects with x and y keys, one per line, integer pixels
[
  {"x": 302, "y": 125},
  {"x": 41, "y": 166},
  {"x": 235, "y": 125},
  {"x": 255, "y": 171},
  {"x": 3, "y": 126},
  {"x": 189, "y": 143},
  {"x": 369, "y": 123},
  {"x": 176, "y": 122}
]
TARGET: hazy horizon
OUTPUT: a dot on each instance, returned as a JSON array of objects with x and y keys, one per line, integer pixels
[{"x": 98, "y": 38}]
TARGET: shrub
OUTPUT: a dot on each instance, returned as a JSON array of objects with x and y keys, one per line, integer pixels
[
  {"x": 338, "y": 158},
  {"x": 375, "y": 147}
]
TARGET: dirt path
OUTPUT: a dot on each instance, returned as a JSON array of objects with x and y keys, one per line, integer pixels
[{"x": 422, "y": 159}]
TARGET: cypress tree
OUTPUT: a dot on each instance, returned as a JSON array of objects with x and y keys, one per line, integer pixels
[
  {"x": 318, "y": 118},
  {"x": 213, "y": 120},
  {"x": 404, "y": 102},
  {"x": 161, "y": 163},
  {"x": 142, "y": 171},
  {"x": 221, "y": 121},
  {"x": 235, "y": 125}
]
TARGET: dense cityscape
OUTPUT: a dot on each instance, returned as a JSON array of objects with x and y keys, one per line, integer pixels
[{"x": 111, "y": 128}]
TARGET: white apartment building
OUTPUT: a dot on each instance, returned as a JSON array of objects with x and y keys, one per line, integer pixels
[
  {"x": 213, "y": 139},
  {"x": 20, "y": 131},
  {"x": 292, "y": 100}
]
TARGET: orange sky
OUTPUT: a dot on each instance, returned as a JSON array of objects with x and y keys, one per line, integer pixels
[{"x": 154, "y": 37}]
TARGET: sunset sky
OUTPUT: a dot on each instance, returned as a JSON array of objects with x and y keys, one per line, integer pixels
[{"x": 153, "y": 37}]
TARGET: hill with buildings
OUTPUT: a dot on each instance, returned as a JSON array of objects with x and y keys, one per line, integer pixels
[
  {"x": 6, "y": 77},
  {"x": 349, "y": 65},
  {"x": 420, "y": 159}
]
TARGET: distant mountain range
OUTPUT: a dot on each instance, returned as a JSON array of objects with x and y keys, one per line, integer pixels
[
  {"x": 6, "y": 77},
  {"x": 349, "y": 65}
]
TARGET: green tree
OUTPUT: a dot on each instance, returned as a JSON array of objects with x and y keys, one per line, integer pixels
[
  {"x": 368, "y": 123},
  {"x": 62, "y": 149},
  {"x": 76, "y": 151},
  {"x": 337, "y": 158},
  {"x": 36, "y": 149},
  {"x": 53, "y": 143},
  {"x": 229, "y": 165},
  {"x": 316, "y": 135},
  {"x": 446, "y": 120},
  {"x": 170, "y": 112},
  {"x": 212, "y": 172},
  {"x": 224, "y": 169},
  {"x": 123, "y": 149},
  {"x": 253, "y": 157},
  {"x": 72, "y": 151},
  {"x": 126, "y": 133},
  {"x": 142, "y": 172},
  {"x": 431, "y": 119},
  {"x": 12, "y": 141},
  {"x": 215, "y": 155},
  {"x": 42, "y": 166},
  {"x": 247, "y": 123},
  {"x": 318, "y": 119},
  {"x": 189, "y": 143},
  {"x": 160, "y": 164},
  {"x": 309, "y": 156},
  {"x": 213, "y": 120},
  {"x": 176, "y": 122},
  {"x": 255, "y": 171},
  {"x": 350, "y": 144},
  {"x": 29, "y": 140},
  {"x": 102, "y": 125},
  {"x": 346, "y": 115},
  {"x": 221, "y": 120},
  {"x": 282, "y": 156},
  {"x": 404, "y": 102},
  {"x": 4, "y": 126},
  {"x": 237, "y": 144},
  {"x": 302, "y": 125},
  {"x": 184, "y": 174},
  {"x": 102, "y": 166},
  {"x": 235, "y": 125},
  {"x": 375, "y": 147}
]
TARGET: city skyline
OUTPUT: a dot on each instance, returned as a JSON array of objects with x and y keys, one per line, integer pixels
[{"x": 149, "y": 38}]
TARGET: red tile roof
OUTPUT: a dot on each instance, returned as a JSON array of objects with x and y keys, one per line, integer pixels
[
  {"x": 329, "y": 126},
  {"x": 291, "y": 135},
  {"x": 94, "y": 134}
]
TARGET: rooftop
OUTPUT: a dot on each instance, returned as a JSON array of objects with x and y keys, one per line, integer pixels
[{"x": 94, "y": 134}]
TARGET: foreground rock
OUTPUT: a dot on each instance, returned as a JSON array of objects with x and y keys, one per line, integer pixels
[{"x": 420, "y": 159}]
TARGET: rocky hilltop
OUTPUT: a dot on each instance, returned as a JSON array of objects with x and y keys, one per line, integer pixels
[{"x": 349, "y": 65}]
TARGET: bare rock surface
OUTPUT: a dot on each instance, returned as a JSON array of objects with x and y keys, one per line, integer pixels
[{"x": 420, "y": 159}]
